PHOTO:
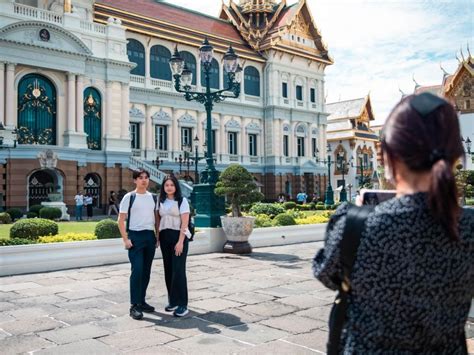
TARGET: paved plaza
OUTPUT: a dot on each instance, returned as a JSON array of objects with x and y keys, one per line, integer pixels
[{"x": 264, "y": 303}]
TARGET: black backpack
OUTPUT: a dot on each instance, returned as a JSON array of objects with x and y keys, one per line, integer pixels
[
  {"x": 133, "y": 195},
  {"x": 191, "y": 226}
]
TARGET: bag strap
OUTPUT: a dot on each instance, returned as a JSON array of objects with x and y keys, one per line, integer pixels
[
  {"x": 130, "y": 203},
  {"x": 355, "y": 223}
]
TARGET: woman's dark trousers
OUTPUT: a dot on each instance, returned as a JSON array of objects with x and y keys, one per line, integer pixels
[
  {"x": 141, "y": 257},
  {"x": 175, "y": 267}
]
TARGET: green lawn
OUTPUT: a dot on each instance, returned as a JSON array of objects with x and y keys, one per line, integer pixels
[{"x": 64, "y": 227}]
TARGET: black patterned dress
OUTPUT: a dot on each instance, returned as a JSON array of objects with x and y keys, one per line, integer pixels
[{"x": 411, "y": 284}]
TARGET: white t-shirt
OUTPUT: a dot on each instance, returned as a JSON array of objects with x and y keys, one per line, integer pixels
[
  {"x": 170, "y": 215},
  {"x": 142, "y": 212},
  {"x": 79, "y": 200}
]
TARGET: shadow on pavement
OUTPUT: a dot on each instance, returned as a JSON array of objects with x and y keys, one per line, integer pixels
[{"x": 286, "y": 261}]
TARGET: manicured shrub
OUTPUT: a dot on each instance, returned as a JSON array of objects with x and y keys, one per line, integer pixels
[
  {"x": 262, "y": 221},
  {"x": 68, "y": 237},
  {"x": 320, "y": 207},
  {"x": 270, "y": 209},
  {"x": 284, "y": 219},
  {"x": 36, "y": 209},
  {"x": 5, "y": 218},
  {"x": 15, "y": 213},
  {"x": 50, "y": 213},
  {"x": 33, "y": 228},
  {"x": 107, "y": 229},
  {"x": 470, "y": 201},
  {"x": 31, "y": 215},
  {"x": 314, "y": 219},
  {"x": 312, "y": 206},
  {"x": 320, "y": 203},
  {"x": 289, "y": 205},
  {"x": 16, "y": 241}
]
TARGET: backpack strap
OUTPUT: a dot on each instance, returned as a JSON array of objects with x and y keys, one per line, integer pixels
[
  {"x": 355, "y": 224},
  {"x": 130, "y": 203}
]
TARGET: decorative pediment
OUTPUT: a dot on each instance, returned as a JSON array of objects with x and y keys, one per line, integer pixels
[
  {"x": 314, "y": 132},
  {"x": 161, "y": 117},
  {"x": 136, "y": 114},
  {"x": 48, "y": 159},
  {"x": 187, "y": 119},
  {"x": 301, "y": 130},
  {"x": 215, "y": 123},
  {"x": 44, "y": 35},
  {"x": 232, "y": 125},
  {"x": 253, "y": 127},
  {"x": 286, "y": 129}
]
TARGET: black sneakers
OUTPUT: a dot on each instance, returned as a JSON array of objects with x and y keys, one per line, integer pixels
[
  {"x": 145, "y": 307},
  {"x": 170, "y": 308},
  {"x": 135, "y": 312},
  {"x": 181, "y": 311}
]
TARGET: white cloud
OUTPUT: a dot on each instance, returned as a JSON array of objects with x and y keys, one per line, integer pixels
[{"x": 378, "y": 45}]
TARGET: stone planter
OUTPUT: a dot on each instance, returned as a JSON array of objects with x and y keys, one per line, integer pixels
[{"x": 237, "y": 231}]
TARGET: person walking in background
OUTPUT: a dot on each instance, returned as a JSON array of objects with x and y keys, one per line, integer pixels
[
  {"x": 79, "y": 199},
  {"x": 174, "y": 218},
  {"x": 412, "y": 282},
  {"x": 301, "y": 197},
  {"x": 88, "y": 201},
  {"x": 112, "y": 204},
  {"x": 140, "y": 238}
]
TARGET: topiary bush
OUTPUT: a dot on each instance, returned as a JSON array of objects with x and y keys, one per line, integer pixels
[
  {"x": 107, "y": 229},
  {"x": 312, "y": 206},
  {"x": 262, "y": 221},
  {"x": 33, "y": 228},
  {"x": 270, "y": 209},
  {"x": 320, "y": 203},
  {"x": 36, "y": 209},
  {"x": 15, "y": 213},
  {"x": 284, "y": 219},
  {"x": 289, "y": 205},
  {"x": 5, "y": 218},
  {"x": 50, "y": 213},
  {"x": 320, "y": 207},
  {"x": 31, "y": 215},
  {"x": 16, "y": 241}
]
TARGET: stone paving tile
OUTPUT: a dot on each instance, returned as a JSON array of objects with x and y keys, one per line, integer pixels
[
  {"x": 304, "y": 301},
  {"x": 279, "y": 347},
  {"x": 188, "y": 327},
  {"x": 89, "y": 347},
  {"x": 280, "y": 291},
  {"x": 124, "y": 323},
  {"x": 87, "y": 276},
  {"x": 53, "y": 281},
  {"x": 154, "y": 350},
  {"x": 4, "y": 335},
  {"x": 45, "y": 290},
  {"x": 137, "y": 338},
  {"x": 205, "y": 294},
  {"x": 74, "y": 333},
  {"x": 210, "y": 344},
  {"x": 214, "y": 304},
  {"x": 268, "y": 309},
  {"x": 24, "y": 344},
  {"x": 5, "y": 317},
  {"x": 231, "y": 317},
  {"x": 85, "y": 303},
  {"x": 37, "y": 300},
  {"x": 249, "y": 297},
  {"x": 5, "y": 306},
  {"x": 321, "y": 313},
  {"x": 30, "y": 325},
  {"x": 254, "y": 333},
  {"x": 18, "y": 286},
  {"x": 86, "y": 293},
  {"x": 293, "y": 324},
  {"x": 32, "y": 312},
  {"x": 8, "y": 296},
  {"x": 316, "y": 339},
  {"x": 80, "y": 317}
]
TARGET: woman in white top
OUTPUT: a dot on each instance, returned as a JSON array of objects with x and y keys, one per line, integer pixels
[{"x": 174, "y": 217}]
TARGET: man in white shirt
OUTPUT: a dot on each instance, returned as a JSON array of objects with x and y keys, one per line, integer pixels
[
  {"x": 79, "y": 199},
  {"x": 140, "y": 238}
]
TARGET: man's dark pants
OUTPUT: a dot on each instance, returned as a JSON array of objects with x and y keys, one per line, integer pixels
[
  {"x": 141, "y": 257},
  {"x": 175, "y": 267}
]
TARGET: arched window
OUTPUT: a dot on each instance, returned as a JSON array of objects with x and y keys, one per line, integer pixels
[
  {"x": 136, "y": 54},
  {"x": 251, "y": 81},
  {"x": 36, "y": 110},
  {"x": 213, "y": 75},
  {"x": 190, "y": 63},
  {"x": 93, "y": 118},
  {"x": 159, "y": 63}
]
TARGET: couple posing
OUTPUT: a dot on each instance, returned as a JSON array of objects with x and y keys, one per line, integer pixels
[{"x": 147, "y": 222}]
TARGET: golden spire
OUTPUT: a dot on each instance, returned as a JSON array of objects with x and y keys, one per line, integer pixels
[{"x": 257, "y": 6}]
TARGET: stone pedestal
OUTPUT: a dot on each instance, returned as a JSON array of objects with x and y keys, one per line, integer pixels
[{"x": 61, "y": 205}]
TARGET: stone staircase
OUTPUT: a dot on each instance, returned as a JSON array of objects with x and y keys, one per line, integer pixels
[{"x": 158, "y": 175}]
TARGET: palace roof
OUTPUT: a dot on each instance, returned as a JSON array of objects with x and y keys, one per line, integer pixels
[{"x": 345, "y": 109}]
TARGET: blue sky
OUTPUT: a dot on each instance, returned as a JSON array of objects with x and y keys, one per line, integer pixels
[{"x": 379, "y": 45}]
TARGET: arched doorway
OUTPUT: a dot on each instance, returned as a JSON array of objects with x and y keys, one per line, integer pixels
[
  {"x": 41, "y": 183},
  {"x": 93, "y": 118},
  {"x": 36, "y": 110},
  {"x": 93, "y": 186}
]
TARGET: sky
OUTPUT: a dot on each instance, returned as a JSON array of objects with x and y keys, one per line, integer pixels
[{"x": 379, "y": 46}]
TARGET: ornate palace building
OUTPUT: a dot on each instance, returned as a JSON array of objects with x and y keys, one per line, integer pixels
[{"x": 86, "y": 95}]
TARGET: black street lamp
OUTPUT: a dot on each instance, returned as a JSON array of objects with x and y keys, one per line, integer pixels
[
  {"x": 329, "y": 192},
  {"x": 184, "y": 160},
  {"x": 361, "y": 167},
  {"x": 209, "y": 207},
  {"x": 342, "y": 165},
  {"x": 157, "y": 162},
  {"x": 196, "y": 159}
]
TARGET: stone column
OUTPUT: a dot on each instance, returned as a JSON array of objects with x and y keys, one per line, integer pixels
[
  {"x": 148, "y": 131},
  {"x": 108, "y": 109},
  {"x": 222, "y": 138},
  {"x": 175, "y": 133},
  {"x": 243, "y": 140},
  {"x": 9, "y": 97},
  {"x": 277, "y": 139},
  {"x": 71, "y": 103},
  {"x": 80, "y": 104},
  {"x": 147, "y": 66},
  {"x": 2, "y": 93},
  {"x": 125, "y": 117},
  {"x": 308, "y": 152}
]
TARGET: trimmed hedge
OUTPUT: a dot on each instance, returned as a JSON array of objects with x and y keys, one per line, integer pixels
[
  {"x": 15, "y": 213},
  {"x": 262, "y": 221},
  {"x": 16, "y": 241},
  {"x": 5, "y": 218},
  {"x": 33, "y": 228},
  {"x": 50, "y": 213},
  {"x": 31, "y": 215},
  {"x": 107, "y": 229},
  {"x": 284, "y": 219},
  {"x": 36, "y": 209},
  {"x": 68, "y": 237},
  {"x": 289, "y": 205},
  {"x": 270, "y": 209}
]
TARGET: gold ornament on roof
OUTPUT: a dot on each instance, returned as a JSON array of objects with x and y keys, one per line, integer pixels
[
  {"x": 90, "y": 100},
  {"x": 36, "y": 92},
  {"x": 249, "y": 6}
]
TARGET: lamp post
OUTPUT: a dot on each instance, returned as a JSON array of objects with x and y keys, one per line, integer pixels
[
  {"x": 157, "y": 162},
  {"x": 196, "y": 159},
  {"x": 209, "y": 207},
  {"x": 329, "y": 192},
  {"x": 360, "y": 157},
  {"x": 184, "y": 159},
  {"x": 342, "y": 164}
]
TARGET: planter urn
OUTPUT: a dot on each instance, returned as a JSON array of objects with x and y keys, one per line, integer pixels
[{"x": 237, "y": 231}]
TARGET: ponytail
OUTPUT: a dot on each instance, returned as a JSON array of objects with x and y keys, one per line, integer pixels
[{"x": 443, "y": 197}]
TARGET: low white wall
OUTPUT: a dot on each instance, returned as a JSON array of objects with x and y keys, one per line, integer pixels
[{"x": 24, "y": 259}]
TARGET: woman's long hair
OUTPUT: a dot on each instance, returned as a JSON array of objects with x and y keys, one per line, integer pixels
[
  {"x": 428, "y": 143},
  {"x": 177, "y": 195}
]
